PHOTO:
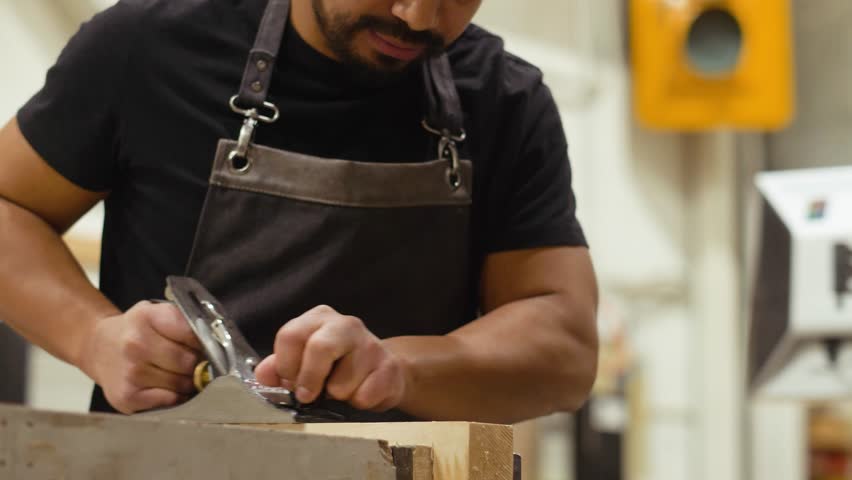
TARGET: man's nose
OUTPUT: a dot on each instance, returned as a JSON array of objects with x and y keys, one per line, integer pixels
[{"x": 420, "y": 15}]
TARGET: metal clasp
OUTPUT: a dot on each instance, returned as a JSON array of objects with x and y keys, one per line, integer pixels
[
  {"x": 239, "y": 159},
  {"x": 253, "y": 113},
  {"x": 448, "y": 150}
]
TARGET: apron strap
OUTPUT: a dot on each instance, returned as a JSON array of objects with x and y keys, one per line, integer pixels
[
  {"x": 261, "y": 62},
  {"x": 443, "y": 108}
]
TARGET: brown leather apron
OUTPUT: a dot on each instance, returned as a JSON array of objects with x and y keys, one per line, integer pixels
[{"x": 282, "y": 232}]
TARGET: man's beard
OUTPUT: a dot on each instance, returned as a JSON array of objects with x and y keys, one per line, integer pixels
[{"x": 340, "y": 31}]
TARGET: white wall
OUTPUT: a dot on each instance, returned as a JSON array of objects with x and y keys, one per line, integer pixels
[
  {"x": 820, "y": 134},
  {"x": 23, "y": 54}
]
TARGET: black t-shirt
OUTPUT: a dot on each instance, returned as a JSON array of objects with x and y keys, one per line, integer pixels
[{"x": 139, "y": 98}]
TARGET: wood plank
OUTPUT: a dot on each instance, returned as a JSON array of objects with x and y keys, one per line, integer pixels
[
  {"x": 527, "y": 445},
  {"x": 46, "y": 445},
  {"x": 461, "y": 451},
  {"x": 413, "y": 463}
]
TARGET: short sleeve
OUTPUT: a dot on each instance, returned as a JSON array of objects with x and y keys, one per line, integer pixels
[
  {"x": 73, "y": 121},
  {"x": 536, "y": 205}
]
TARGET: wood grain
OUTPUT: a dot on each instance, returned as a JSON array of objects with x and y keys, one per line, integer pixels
[
  {"x": 413, "y": 463},
  {"x": 461, "y": 451},
  {"x": 47, "y": 445}
]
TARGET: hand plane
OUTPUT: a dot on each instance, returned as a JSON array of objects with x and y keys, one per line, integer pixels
[{"x": 229, "y": 390}]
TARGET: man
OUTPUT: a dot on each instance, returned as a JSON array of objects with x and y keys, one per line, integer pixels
[{"x": 448, "y": 286}]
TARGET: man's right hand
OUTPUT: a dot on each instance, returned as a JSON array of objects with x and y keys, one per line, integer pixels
[{"x": 144, "y": 358}]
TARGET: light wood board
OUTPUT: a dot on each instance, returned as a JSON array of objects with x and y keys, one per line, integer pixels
[
  {"x": 413, "y": 463},
  {"x": 46, "y": 445},
  {"x": 461, "y": 451}
]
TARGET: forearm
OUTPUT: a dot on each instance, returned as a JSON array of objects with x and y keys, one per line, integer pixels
[
  {"x": 44, "y": 293},
  {"x": 525, "y": 359}
]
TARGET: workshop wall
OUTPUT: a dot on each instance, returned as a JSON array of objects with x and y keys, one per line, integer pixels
[
  {"x": 820, "y": 135},
  {"x": 27, "y": 50},
  {"x": 631, "y": 187}
]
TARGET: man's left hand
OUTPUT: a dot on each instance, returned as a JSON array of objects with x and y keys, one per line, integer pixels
[{"x": 324, "y": 348}]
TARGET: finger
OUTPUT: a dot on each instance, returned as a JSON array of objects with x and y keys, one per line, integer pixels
[
  {"x": 167, "y": 321},
  {"x": 149, "y": 376},
  {"x": 145, "y": 345},
  {"x": 151, "y": 398},
  {"x": 388, "y": 404},
  {"x": 173, "y": 357},
  {"x": 352, "y": 370},
  {"x": 380, "y": 391},
  {"x": 327, "y": 345},
  {"x": 267, "y": 374},
  {"x": 290, "y": 343}
]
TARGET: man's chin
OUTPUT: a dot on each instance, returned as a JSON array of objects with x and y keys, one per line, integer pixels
[
  {"x": 390, "y": 65},
  {"x": 380, "y": 69}
]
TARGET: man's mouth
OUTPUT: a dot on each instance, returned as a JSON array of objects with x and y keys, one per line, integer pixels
[{"x": 395, "y": 48}]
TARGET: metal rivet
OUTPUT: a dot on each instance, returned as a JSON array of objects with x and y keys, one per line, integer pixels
[
  {"x": 262, "y": 65},
  {"x": 29, "y": 424},
  {"x": 2, "y": 422},
  {"x": 29, "y": 464},
  {"x": 2, "y": 463},
  {"x": 256, "y": 86}
]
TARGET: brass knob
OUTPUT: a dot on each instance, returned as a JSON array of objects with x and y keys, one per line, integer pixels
[{"x": 202, "y": 375}]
